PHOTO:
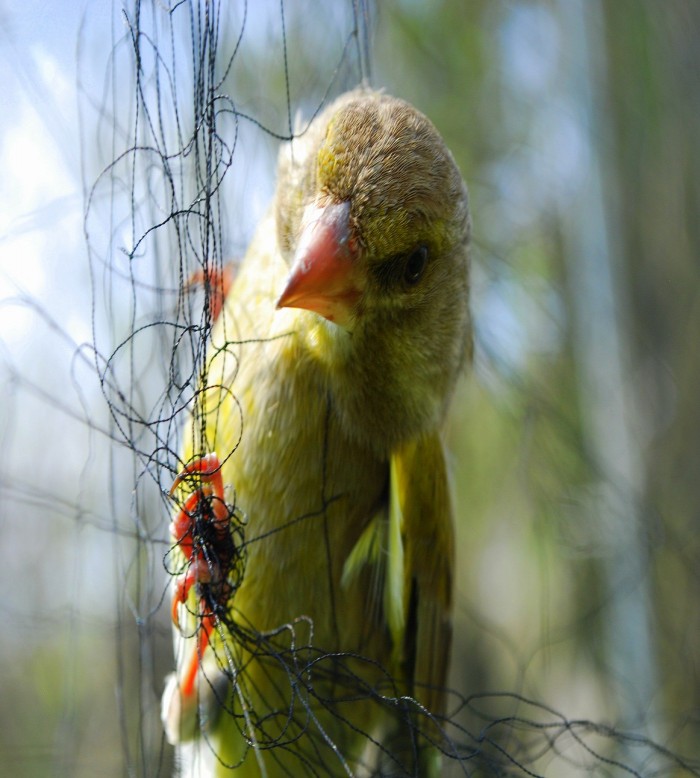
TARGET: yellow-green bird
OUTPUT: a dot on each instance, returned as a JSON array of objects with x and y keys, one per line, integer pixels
[{"x": 314, "y": 637}]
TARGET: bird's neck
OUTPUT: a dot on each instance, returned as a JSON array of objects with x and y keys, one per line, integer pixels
[{"x": 376, "y": 401}]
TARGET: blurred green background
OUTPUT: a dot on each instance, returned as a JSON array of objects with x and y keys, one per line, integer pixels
[{"x": 575, "y": 440}]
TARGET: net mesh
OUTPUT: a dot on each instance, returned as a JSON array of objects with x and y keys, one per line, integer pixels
[{"x": 576, "y": 618}]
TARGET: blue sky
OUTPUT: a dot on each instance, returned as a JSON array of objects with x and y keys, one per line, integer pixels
[{"x": 40, "y": 195}]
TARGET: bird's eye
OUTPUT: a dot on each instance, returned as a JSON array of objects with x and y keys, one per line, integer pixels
[{"x": 415, "y": 265}]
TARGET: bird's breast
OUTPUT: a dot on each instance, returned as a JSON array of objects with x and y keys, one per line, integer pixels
[{"x": 307, "y": 489}]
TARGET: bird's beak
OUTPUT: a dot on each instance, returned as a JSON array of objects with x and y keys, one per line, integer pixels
[{"x": 324, "y": 276}]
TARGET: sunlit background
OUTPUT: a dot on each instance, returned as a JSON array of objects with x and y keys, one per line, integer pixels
[{"x": 575, "y": 440}]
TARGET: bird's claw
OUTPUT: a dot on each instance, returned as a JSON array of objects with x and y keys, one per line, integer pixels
[{"x": 201, "y": 529}]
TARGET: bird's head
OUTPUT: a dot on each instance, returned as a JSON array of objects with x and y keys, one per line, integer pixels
[{"x": 373, "y": 218}]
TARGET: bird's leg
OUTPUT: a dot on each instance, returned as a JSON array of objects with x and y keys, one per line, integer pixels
[
  {"x": 187, "y": 686},
  {"x": 211, "y": 484},
  {"x": 199, "y": 572},
  {"x": 216, "y": 282},
  {"x": 211, "y": 487},
  {"x": 208, "y": 468},
  {"x": 190, "y": 535}
]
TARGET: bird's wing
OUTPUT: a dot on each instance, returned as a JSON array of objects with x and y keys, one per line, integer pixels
[
  {"x": 408, "y": 547},
  {"x": 412, "y": 545},
  {"x": 419, "y": 476}
]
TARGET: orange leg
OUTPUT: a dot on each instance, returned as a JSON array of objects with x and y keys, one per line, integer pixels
[
  {"x": 218, "y": 283},
  {"x": 187, "y": 687},
  {"x": 210, "y": 487}
]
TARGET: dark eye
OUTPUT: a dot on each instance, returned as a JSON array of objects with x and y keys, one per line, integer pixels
[{"x": 415, "y": 265}]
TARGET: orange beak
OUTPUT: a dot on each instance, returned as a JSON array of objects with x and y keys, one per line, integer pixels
[{"x": 324, "y": 276}]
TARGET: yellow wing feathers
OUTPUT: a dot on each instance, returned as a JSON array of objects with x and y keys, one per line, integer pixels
[{"x": 413, "y": 544}]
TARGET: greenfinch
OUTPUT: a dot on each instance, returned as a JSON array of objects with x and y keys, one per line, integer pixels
[{"x": 313, "y": 537}]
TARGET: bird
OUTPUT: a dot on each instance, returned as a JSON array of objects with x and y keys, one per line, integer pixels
[{"x": 313, "y": 534}]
